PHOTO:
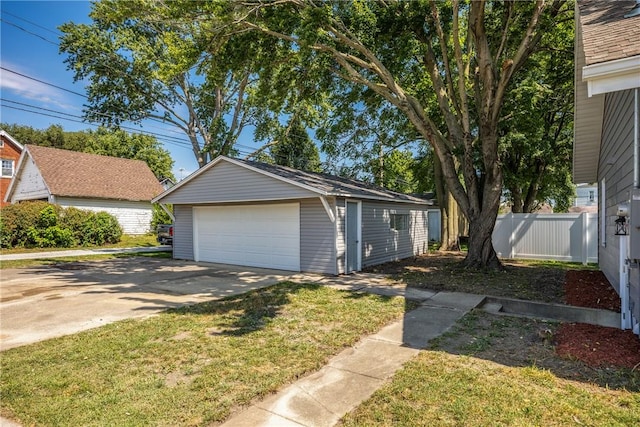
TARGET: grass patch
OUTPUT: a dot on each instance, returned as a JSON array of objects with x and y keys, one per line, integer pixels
[
  {"x": 24, "y": 263},
  {"x": 438, "y": 388},
  {"x": 188, "y": 366}
]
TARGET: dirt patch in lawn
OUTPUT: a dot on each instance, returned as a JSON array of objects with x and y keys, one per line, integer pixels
[
  {"x": 605, "y": 356},
  {"x": 443, "y": 271}
]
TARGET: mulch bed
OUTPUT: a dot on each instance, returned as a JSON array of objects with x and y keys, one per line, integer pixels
[{"x": 596, "y": 346}]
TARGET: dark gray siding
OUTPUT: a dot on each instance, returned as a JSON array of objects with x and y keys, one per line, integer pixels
[
  {"x": 616, "y": 167},
  {"x": 227, "y": 182},
  {"x": 183, "y": 232},
  {"x": 317, "y": 237},
  {"x": 381, "y": 244}
]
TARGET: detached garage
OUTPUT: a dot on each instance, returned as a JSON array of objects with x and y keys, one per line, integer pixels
[{"x": 248, "y": 213}]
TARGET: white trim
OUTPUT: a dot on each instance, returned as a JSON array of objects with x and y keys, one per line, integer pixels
[
  {"x": 612, "y": 76},
  {"x": 327, "y": 208},
  {"x": 13, "y": 168},
  {"x": 358, "y": 263},
  {"x": 12, "y": 139}
]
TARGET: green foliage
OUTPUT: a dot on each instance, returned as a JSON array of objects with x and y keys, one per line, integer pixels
[
  {"x": 16, "y": 221},
  {"x": 295, "y": 149},
  {"x": 159, "y": 216},
  {"x": 40, "y": 224}
]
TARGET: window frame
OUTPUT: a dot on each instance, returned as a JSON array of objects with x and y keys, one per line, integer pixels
[
  {"x": 2, "y": 168},
  {"x": 399, "y": 222}
]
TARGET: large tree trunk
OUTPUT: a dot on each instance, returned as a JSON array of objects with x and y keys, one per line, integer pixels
[
  {"x": 481, "y": 252},
  {"x": 449, "y": 211}
]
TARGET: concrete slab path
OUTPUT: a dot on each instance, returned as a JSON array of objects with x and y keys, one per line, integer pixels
[{"x": 322, "y": 398}]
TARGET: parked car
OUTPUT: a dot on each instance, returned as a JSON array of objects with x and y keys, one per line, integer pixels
[{"x": 164, "y": 234}]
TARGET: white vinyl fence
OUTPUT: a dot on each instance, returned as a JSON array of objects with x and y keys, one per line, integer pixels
[{"x": 561, "y": 237}]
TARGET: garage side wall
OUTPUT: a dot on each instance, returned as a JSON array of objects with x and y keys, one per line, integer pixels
[
  {"x": 183, "y": 232},
  {"x": 317, "y": 238},
  {"x": 381, "y": 243}
]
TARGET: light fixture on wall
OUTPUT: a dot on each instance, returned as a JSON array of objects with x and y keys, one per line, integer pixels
[{"x": 621, "y": 221}]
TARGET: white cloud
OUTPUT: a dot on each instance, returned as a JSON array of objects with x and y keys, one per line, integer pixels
[{"x": 27, "y": 88}]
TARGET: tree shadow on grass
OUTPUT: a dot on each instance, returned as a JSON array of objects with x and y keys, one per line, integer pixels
[{"x": 250, "y": 311}]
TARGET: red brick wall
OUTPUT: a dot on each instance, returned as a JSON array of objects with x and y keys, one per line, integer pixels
[{"x": 8, "y": 151}]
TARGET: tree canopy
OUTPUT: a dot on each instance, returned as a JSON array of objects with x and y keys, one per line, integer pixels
[{"x": 446, "y": 66}]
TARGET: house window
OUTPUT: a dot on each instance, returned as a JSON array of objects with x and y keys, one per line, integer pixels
[
  {"x": 592, "y": 196},
  {"x": 399, "y": 222},
  {"x": 7, "y": 168}
]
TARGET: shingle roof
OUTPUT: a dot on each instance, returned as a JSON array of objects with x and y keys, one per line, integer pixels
[
  {"x": 75, "y": 174},
  {"x": 334, "y": 185},
  {"x": 607, "y": 34}
]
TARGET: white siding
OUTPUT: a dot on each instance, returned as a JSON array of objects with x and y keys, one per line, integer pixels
[
  {"x": 134, "y": 217},
  {"x": 29, "y": 184}
]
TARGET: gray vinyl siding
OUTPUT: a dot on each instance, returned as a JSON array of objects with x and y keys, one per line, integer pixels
[
  {"x": 227, "y": 182},
  {"x": 183, "y": 232},
  {"x": 381, "y": 244},
  {"x": 616, "y": 167},
  {"x": 317, "y": 237}
]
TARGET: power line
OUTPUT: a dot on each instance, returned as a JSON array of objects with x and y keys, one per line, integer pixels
[
  {"x": 57, "y": 33},
  {"x": 28, "y": 32},
  {"x": 43, "y": 82}
]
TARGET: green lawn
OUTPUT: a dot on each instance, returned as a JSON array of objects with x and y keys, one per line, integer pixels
[
  {"x": 190, "y": 366},
  {"x": 441, "y": 389}
]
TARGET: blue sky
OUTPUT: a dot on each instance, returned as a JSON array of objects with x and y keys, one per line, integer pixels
[{"x": 29, "y": 52}]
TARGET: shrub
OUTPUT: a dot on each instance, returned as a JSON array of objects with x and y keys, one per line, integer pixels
[
  {"x": 18, "y": 219},
  {"x": 159, "y": 216},
  {"x": 101, "y": 228},
  {"x": 40, "y": 224},
  {"x": 50, "y": 237}
]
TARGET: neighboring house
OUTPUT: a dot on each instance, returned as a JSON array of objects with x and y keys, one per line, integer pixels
[
  {"x": 248, "y": 213},
  {"x": 586, "y": 195},
  {"x": 122, "y": 187},
  {"x": 10, "y": 151},
  {"x": 607, "y": 127}
]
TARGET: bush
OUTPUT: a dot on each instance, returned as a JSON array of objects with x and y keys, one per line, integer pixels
[
  {"x": 40, "y": 224},
  {"x": 101, "y": 228},
  {"x": 17, "y": 219}
]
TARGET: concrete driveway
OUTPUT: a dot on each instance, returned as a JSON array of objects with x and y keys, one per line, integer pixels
[{"x": 44, "y": 302}]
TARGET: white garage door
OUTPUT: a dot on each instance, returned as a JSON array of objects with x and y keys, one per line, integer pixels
[{"x": 253, "y": 235}]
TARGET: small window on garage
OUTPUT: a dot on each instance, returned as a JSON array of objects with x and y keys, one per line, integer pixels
[{"x": 399, "y": 222}]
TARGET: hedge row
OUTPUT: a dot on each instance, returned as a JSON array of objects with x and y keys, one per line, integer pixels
[{"x": 42, "y": 225}]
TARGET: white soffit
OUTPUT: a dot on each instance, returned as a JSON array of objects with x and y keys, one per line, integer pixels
[{"x": 612, "y": 76}]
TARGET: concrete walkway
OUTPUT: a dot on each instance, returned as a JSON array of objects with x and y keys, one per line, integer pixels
[
  {"x": 82, "y": 252},
  {"x": 352, "y": 376}
]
